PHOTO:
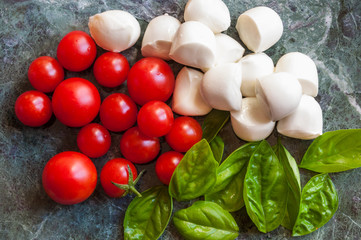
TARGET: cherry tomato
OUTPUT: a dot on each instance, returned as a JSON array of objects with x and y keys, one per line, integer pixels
[
  {"x": 155, "y": 119},
  {"x": 69, "y": 178},
  {"x": 76, "y": 102},
  {"x": 137, "y": 147},
  {"x": 94, "y": 140},
  {"x": 45, "y": 73},
  {"x": 33, "y": 108},
  {"x": 185, "y": 132},
  {"x": 76, "y": 51},
  {"x": 150, "y": 79},
  {"x": 118, "y": 112},
  {"x": 116, "y": 170},
  {"x": 111, "y": 69},
  {"x": 166, "y": 164}
]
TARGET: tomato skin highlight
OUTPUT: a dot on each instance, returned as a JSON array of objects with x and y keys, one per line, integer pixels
[
  {"x": 94, "y": 140},
  {"x": 76, "y": 102},
  {"x": 76, "y": 51},
  {"x": 33, "y": 108},
  {"x": 155, "y": 119},
  {"x": 116, "y": 170},
  {"x": 111, "y": 69},
  {"x": 118, "y": 112},
  {"x": 45, "y": 74},
  {"x": 69, "y": 178},
  {"x": 185, "y": 132},
  {"x": 150, "y": 79},
  {"x": 137, "y": 147},
  {"x": 166, "y": 164}
]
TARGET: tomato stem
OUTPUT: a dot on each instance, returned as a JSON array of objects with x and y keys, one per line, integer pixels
[{"x": 130, "y": 187}]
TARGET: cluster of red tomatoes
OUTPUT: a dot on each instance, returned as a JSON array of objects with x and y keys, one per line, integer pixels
[{"x": 71, "y": 177}]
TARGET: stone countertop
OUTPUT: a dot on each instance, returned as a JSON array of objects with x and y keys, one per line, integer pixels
[{"x": 326, "y": 30}]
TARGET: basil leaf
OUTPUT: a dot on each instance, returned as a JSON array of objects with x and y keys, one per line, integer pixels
[
  {"x": 294, "y": 185},
  {"x": 319, "y": 202},
  {"x": 147, "y": 216},
  {"x": 217, "y": 146},
  {"x": 205, "y": 220},
  {"x": 265, "y": 189},
  {"x": 195, "y": 174},
  {"x": 334, "y": 151},
  {"x": 213, "y": 123},
  {"x": 228, "y": 190}
]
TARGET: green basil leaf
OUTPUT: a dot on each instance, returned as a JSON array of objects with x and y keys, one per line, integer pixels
[
  {"x": 265, "y": 189},
  {"x": 228, "y": 190},
  {"x": 205, "y": 220},
  {"x": 334, "y": 151},
  {"x": 195, "y": 174},
  {"x": 319, "y": 202},
  {"x": 147, "y": 216},
  {"x": 217, "y": 146},
  {"x": 213, "y": 123},
  {"x": 294, "y": 185}
]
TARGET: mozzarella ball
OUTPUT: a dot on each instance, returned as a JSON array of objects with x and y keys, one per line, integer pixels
[
  {"x": 252, "y": 122},
  {"x": 194, "y": 45},
  {"x": 187, "y": 98},
  {"x": 228, "y": 49},
  {"x": 158, "y": 36},
  {"x": 305, "y": 122},
  {"x": 303, "y": 68},
  {"x": 221, "y": 87},
  {"x": 213, "y": 13},
  {"x": 259, "y": 28},
  {"x": 254, "y": 66},
  {"x": 114, "y": 30},
  {"x": 281, "y": 92}
]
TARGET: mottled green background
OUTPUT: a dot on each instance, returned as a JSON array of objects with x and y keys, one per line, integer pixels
[{"x": 326, "y": 30}]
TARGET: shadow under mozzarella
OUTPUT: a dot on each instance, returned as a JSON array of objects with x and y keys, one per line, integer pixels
[
  {"x": 305, "y": 122},
  {"x": 252, "y": 122},
  {"x": 187, "y": 98},
  {"x": 158, "y": 36},
  {"x": 114, "y": 30}
]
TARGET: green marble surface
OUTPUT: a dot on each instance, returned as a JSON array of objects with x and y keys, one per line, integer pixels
[{"x": 326, "y": 30}]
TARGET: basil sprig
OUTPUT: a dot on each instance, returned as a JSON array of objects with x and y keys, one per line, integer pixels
[
  {"x": 213, "y": 123},
  {"x": 205, "y": 220},
  {"x": 265, "y": 189},
  {"x": 334, "y": 151},
  {"x": 217, "y": 147},
  {"x": 148, "y": 216}
]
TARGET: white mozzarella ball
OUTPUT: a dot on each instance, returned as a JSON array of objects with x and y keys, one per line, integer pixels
[
  {"x": 213, "y": 13},
  {"x": 114, "y": 30},
  {"x": 194, "y": 45},
  {"x": 254, "y": 66},
  {"x": 281, "y": 92},
  {"x": 252, "y": 122},
  {"x": 228, "y": 49},
  {"x": 221, "y": 86},
  {"x": 303, "y": 67},
  {"x": 187, "y": 99},
  {"x": 305, "y": 122},
  {"x": 159, "y": 35},
  {"x": 259, "y": 28}
]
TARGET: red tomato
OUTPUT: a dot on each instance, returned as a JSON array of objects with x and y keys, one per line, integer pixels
[
  {"x": 94, "y": 140},
  {"x": 76, "y": 51},
  {"x": 185, "y": 132},
  {"x": 116, "y": 170},
  {"x": 166, "y": 164},
  {"x": 155, "y": 119},
  {"x": 118, "y": 112},
  {"x": 76, "y": 102},
  {"x": 137, "y": 147},
  {"x": 69, "y": 178},
  {"x": 111, "y": 69},
  {"x": 45, "y": 73},
  {"x": 33, "y": 108},
  {"x": 150, "y": 79}
]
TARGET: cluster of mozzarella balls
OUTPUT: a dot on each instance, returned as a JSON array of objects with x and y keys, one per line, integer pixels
[{"x": 217, "y": 75}]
